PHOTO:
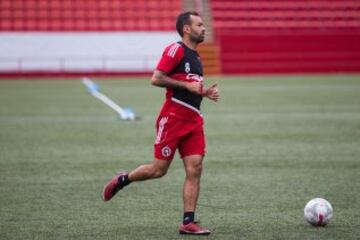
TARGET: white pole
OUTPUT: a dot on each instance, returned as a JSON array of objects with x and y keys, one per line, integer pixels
[
  {"x": 111, "y": 104},
  {"x": 94, "y": 90}
]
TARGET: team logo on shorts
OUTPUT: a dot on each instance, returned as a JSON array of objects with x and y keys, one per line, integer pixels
[
  {"x": 166, "y": 151},
  {"x": 187, "y": 67}
]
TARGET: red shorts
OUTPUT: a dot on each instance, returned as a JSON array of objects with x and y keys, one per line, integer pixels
[{"x": 173, "y": 133}]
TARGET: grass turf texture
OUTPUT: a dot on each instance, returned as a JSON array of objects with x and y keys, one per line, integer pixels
[{"x": 273, "y": 144}]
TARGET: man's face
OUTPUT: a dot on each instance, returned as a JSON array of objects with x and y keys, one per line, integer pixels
[{"x": 197, "y": 29}]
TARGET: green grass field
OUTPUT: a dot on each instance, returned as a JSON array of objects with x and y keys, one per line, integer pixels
[{"x": 273, "y": 143}]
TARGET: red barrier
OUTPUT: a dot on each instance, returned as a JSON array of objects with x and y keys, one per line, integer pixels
[{"x": 290, "y": 51}]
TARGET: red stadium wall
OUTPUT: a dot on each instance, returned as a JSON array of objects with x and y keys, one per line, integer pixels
[
  {"x": 263, "y": 36},
  {"x": 290, "y": 51},
  {"x": 276, "y": 36}
]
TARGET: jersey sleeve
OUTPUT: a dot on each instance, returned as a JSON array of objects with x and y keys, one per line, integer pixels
[{"x": 170, "y": 58}]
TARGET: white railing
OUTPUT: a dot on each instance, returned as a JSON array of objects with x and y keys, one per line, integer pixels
[
  {"x": 79, "y": 63},
  {"x": 63, "y": 51}
]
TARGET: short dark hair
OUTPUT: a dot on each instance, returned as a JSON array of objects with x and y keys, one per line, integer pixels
[{"x": 184, "y": 19}]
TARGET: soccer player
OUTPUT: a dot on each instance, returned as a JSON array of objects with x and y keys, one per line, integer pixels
[{"x": 180, "y": 122}]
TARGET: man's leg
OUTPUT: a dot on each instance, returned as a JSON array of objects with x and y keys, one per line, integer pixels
[
  {"x": 191, "y": 190},
  {"x": 156, "y": 169}
]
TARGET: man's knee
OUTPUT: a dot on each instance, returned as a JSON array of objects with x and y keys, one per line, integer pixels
[
  {"x": 195, "y": 170},
  {"x": 193, "y": 166},
  {"x": 158, "y": 173},
  {"x": 159, "y": 170}
]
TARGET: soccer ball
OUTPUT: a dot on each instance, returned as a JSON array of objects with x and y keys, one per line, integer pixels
[{"x": 318, "y": 212}]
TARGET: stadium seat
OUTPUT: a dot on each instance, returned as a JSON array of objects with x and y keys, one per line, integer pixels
[
  {"x": 287, "y": 36},
  {"x": 88, "y": 15},
  {"x": 285, "y": 14}
]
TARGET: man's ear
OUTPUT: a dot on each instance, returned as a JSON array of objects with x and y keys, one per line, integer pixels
[{"x": 186, "y": 29}]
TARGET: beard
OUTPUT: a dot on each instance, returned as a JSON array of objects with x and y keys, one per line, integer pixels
[{"x": 197, "y": 38}]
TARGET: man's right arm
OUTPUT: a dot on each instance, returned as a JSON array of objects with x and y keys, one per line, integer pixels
[{"x": 160, "y": 79}]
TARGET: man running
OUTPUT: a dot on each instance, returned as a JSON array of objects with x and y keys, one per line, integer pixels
[{"x": 180, "y": 122}]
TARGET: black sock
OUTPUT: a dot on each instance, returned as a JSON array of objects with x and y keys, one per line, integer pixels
[
  {"x": 188, "y": 217},
  {"x": 124, "y": 180}
]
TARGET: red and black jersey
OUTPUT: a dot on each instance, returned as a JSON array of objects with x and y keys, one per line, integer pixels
[{"x": 181, "y": 63}]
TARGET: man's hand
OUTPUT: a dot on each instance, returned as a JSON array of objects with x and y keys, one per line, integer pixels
[{"x": 212, "y": 93}]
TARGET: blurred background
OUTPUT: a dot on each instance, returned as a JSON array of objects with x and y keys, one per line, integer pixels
[
  {"x": 121, "y": 37},
  {"x": 286, "y": 129}
]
